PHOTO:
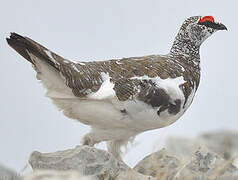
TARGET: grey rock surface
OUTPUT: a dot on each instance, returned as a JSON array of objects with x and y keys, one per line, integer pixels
[
  {"x": 7, "y": 174},
  {"x": 133, "y": 175},
  {"x": 206, "y": 165},
  {"x": 75, "y": 175},
  {"x": 210, "y": 156},
  {"x": 161, "y": 164},
  {"x": 224, "y": 143},
  {"x": 57, "y": 175},
  {"x": 86, "y": 161},
  {"x": 182, "y": 148}
]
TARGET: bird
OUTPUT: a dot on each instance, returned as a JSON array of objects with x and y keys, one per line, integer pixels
[{"x": 121, "y": 98}]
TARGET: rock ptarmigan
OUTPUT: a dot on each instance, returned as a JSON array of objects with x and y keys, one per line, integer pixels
[{"x": 121, "y": 98}]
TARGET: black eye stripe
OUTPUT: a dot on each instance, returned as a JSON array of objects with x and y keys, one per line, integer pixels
[{"x": 207, "y": 23}]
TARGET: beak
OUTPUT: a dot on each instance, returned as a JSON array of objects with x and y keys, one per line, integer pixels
[
  {"x": 220, "y": 26},
  {"x": 214, "y": 25}
]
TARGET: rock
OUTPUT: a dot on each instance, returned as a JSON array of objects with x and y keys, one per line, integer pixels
[
  {"x": 86, "y": 161},
  {"x": 235, "y": 162},
  {"x": 210, "y": 156},
  {"x": 224, "y": 143},
  {"x": 183, "y": 148},
  {"x": 7, "y": 174},
  {"x": 74, "y": 175},
  {"x": 207, "y": 165},
  {"x": 133, "y": 175},
  {"x": 203, "y": 165},
  {"x": 161, "y": 164},
  {"x": 57, "y": 175}
]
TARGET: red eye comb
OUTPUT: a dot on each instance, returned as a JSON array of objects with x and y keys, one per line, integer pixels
[{"x": 207, "y": 18}]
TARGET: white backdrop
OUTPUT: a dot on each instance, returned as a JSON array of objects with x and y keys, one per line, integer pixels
[{"x": 98, "y": 30}]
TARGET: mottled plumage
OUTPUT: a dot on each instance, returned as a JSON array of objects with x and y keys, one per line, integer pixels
[{"x": 121, "y": 98}]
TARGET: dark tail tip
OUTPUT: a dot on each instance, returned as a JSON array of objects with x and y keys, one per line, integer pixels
[
  {"x": 19, "y": 43},
  {"x": 14, "y": 37},
  {"x": 25, "y": 45}
]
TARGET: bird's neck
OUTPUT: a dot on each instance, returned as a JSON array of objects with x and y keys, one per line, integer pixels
[{"x": 186, "y": 48}]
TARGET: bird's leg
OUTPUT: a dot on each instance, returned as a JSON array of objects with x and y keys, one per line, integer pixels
[
  {"x": 96, "y": 136},
  {"x": 89, "y": 140},
  {"x": 114, "y": 147}
]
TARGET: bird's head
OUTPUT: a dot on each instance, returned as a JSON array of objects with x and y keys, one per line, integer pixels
[{"x": 198, "y": 28}]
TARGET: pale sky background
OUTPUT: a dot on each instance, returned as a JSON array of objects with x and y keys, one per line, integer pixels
[{"x": 98, "y": 30}]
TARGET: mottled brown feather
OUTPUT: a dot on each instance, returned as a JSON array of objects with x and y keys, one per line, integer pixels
[{"x": 86, "y": 78}]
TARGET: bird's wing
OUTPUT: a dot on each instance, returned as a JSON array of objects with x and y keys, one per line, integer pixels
[
  {"x": 154, "y": 92},
  {"x": 144, "y": 90}
]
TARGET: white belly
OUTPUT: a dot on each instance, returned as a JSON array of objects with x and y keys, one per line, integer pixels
[
  {"x": 103, "y": 109},
  {"x": 138, "y": 117}
]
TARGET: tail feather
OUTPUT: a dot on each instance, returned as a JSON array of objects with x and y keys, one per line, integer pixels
[
  {"x": 46, "y": 63},
  {"x": 58, "y": 75},
  {"x": 25, "y": 45}
]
